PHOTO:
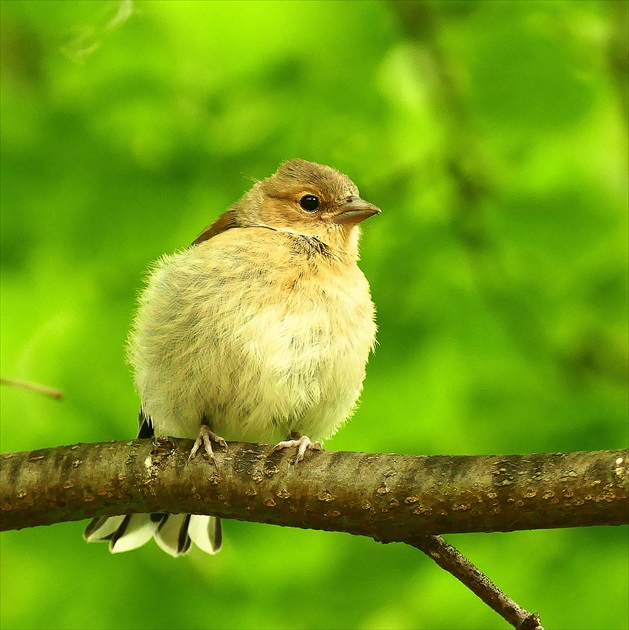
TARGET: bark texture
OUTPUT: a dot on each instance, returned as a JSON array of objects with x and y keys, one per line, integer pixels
[{"x": 387, "y": 497}]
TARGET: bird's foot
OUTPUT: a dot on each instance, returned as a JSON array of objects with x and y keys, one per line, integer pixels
[
  {"x": 301, "y": 442},
  {"x": 204, "y": 439}
]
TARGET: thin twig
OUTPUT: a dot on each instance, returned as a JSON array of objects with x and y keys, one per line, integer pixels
[
  {"x": 453, "y": 561},
  {"x": 34, "y": 387}
]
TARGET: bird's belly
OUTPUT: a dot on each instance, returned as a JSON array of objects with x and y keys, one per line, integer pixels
[
  {"x": 294, "y": 365},
  {"x": 300, "y": 370},
  {"x": 257, "y": 351}
]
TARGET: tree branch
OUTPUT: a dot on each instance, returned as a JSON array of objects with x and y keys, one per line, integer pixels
[
  {"x": 390, "y": 498},
  {"x": 455, "y": 563},
  {"x": 387, "y": 497}
]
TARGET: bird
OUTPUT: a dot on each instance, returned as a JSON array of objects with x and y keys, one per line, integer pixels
[{"x": 260, "y": 331}]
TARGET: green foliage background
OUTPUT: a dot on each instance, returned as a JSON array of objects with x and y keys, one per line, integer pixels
[{"x": 494, "y": 137}]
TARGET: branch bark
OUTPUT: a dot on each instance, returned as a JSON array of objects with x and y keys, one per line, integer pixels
[
  {"x": 455, "y": 563},
  {"x": 390, "y": 498},
  {"x": 387, "y": 497}
]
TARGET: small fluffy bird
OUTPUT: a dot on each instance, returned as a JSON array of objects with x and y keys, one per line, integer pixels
[{"x": 260, "y": 331}]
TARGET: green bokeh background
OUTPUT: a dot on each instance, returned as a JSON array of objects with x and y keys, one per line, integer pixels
[{"x": 494, "y": 137}]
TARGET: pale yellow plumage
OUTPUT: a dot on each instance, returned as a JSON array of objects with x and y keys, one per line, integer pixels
[{"x": 256, "y": 339}]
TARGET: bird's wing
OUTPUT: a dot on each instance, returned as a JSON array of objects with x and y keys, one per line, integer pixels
[
  {"x": 226, "y": 221},
  {"x": 145, "y": 426}
]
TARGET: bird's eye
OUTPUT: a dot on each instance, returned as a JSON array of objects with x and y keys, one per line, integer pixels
[{"x": 309, "y": 203}]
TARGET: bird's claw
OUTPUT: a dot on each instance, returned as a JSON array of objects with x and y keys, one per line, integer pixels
[
  {"x": 204, "y": 439},
  {"x": 302, "y": 443}
]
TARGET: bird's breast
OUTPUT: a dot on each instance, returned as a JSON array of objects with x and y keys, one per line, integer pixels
[{"x": 257, "y": 340}]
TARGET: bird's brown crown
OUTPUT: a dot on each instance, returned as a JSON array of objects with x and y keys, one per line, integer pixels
[{"x": 300, "y": 175}]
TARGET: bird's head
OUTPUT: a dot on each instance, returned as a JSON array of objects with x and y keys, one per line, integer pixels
[{"x": 305, "y": 198}]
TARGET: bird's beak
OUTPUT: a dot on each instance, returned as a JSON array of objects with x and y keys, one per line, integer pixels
[{"x": 354, "y": 211}]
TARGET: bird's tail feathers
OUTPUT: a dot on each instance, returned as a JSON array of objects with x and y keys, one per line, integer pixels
[
  {"x": 174, "y": 533},
  {"x": 206, "y": 532}
]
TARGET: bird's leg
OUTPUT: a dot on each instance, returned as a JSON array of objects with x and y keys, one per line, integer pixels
[
  {"x": 204, "y": 439},
  {"x": 301, "y": 442}
]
